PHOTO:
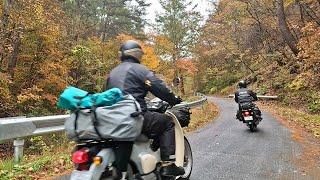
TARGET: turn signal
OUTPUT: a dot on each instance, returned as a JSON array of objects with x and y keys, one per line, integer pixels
[{"x": 97, "y": 160}]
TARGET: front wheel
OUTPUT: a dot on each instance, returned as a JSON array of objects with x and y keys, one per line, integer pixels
[{"x": 188, "y": 160}]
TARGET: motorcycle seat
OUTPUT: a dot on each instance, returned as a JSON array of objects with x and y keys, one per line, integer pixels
[{"x": 142, "y": 138}]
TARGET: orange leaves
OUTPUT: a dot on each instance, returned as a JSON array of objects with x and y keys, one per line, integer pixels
[
  {"x": 30, "y": 94},
  {"x": 125, "y": 37},
  {"x": 187, "y": 66},
  {"x": 309, "y": 45}
]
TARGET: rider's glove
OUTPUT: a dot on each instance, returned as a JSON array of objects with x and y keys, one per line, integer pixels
[{"x": 178, "y": 100}]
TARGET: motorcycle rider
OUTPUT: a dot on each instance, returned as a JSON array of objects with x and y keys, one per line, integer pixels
[
  {"x": 245, "y": 97},
  {"x": 135, "y": 79}
]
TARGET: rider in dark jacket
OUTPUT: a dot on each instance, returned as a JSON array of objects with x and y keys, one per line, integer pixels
[
  {"x": 245, "y": 97},
  {"x": 135, "y": 79}
]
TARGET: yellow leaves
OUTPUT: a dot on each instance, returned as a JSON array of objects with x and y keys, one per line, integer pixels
[
  {"x": 300, "y": 82},
  {"x": 163, "y": 45},
  {"x": 150, "y": 59},
  {"x": 287, "y": 3},
  {"x": 125, "y": 37},
  {"x": 5, "y": 94}
]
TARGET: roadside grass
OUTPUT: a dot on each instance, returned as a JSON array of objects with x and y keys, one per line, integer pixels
[
  {"x": 38, "y": 166},
  {"x": 202, "y": 116},
  {"x": 49, "y": 156},
  {"x": 307, "y": 121}
]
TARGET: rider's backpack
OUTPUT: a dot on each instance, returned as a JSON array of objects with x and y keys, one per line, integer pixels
[{"x": 121, "y": 121}]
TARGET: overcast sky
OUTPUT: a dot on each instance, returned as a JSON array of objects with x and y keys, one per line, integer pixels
[{"x": 203, "y": 7}]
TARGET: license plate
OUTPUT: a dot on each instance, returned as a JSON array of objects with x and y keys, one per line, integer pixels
[
  {"x": 248, "y": 118},
  {"x": 81, "y": 175}
]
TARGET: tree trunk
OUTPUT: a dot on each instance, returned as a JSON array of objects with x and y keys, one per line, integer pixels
[
  {"x": 309, "y": 12},
  {"x": 103, "y": 24},
  {"x": 301, "y": 15},
  {"x": 4, "y": 33},
  {"x": 182, "y": 85},
  {"x": 103, "y": 31},
  {"x": 14, "y": 56},
  {"x": 5, "y": 18},
  {"x": 285, "y": 31}
]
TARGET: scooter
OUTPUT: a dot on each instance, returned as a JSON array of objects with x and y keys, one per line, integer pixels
[{"x": 96, "y": 160}]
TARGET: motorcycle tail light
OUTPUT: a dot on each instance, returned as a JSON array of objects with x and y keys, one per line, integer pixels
[
  {"x": 80, "y": 156},
  {"x": 247, "y": 113}
]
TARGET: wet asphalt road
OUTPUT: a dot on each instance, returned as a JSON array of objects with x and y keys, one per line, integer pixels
[{"x": 226, "y": 149}]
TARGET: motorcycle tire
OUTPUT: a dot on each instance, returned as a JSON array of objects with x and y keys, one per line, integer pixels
[
  {"x": 252, "y": 127},
  {"x": 188, "y": 160}
]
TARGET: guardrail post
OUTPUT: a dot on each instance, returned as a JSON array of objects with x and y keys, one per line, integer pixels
[{"x": 18, "y": 149}]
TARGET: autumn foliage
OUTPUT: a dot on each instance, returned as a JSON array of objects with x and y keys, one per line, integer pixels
[
  {"x": 46, "y": 46},
  {"x": 272, "y": 44}
]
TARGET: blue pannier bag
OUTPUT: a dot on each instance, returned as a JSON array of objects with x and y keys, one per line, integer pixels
[{"x": 73, "y": 98}]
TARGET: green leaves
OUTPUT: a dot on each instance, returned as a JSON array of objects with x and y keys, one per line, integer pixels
[{"x": 180, "y": 26}]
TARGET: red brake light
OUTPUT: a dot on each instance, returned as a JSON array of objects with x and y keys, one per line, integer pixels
[
  {"x": 80, "y": 156},
  {"x": 247, "y": 113}
]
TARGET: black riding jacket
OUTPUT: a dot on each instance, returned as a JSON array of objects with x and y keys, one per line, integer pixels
[
  {"x": 135, "y": 79},
  {"x": 244, "y": 95}
]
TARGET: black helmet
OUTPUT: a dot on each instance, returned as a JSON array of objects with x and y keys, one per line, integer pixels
[
  {"x": 242, "y": 84},
  {"x": 131, "y": 49}
]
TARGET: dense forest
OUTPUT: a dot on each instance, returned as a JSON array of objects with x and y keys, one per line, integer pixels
[
  {"x": 47, "y": 45},
  {"x": 273, "y": 44}
]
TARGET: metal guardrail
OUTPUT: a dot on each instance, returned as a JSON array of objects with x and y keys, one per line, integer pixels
[
  {"x": 21, "y": 127},
  {"x": 259, "y": 96}
]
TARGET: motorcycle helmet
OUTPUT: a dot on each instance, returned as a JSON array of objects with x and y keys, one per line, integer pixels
[
  {"x": 242, "y": 84},
  {"x": 131, "y": 49}
]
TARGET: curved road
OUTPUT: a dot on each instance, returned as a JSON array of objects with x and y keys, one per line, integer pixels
[{"x": 226, "y": 149}]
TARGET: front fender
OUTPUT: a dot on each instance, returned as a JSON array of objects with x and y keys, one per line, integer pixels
[{"x": 179, "y": 135}]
